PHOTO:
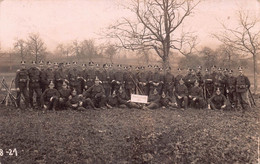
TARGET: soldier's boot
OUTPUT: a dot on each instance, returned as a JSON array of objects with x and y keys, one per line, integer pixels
[{"x": 185, "y": 99}]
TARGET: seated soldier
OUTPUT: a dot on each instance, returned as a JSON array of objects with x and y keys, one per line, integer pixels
[
  {"x": 112, "y": 100},
  {"x": 124, "y": 100},
  {"x": 153, "y": 100},
  {"x": 96, "y": 93},
  {"x": 196, "y": 96},
  {"x": 75, "y": 101},
  {"x": 64, "y": 96},
  {"x": 218, "y": 101},
  {"x": 167, "y": 102},
  {"x": 49, "y": 98},
  {"x": 181, "y": 93}
]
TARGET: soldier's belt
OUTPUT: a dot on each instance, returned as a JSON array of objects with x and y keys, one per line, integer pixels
[
  {"x": 105, "y": 82},
  {"x": 34, "y": 81},
  {"x": 90, "y": 80},
  {"x": 23, "y": 80}
]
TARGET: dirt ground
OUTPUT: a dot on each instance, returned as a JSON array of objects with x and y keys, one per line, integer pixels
[{"x": 129, "y": 136}]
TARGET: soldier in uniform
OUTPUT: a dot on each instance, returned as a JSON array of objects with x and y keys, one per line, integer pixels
[
  {"x": 47, "y": 76},
  {"x": 181, "y": 93},
  {"x": 190, "y": 78},
  {"x": 196, "y": 96},
  {"x": 124, "y": 100},
  {"x": 34, "y": 84},
  {"x": 208, "y": 85},
  {"x": 65, "y": 93},
  {"x": 97, "y": 95},
  {"x": 218, "y": 101},
  {"x": 153, "y": 100},
  {"x": 74, "y": 78},
  {"x": 167, "y": 101},
  {"x": 59, "y": 76},
  {"x": 242, "y": 87},
  {"x": 156, "y": 81},
  {"x": 21, "y": 80},
  {"x": 231, "y": 88},
  {"x": 199, "y": 75},
  {"x": 112, "y": 100},
  {"x": 90, "y": 76},
  {"x": 168, "y": 82},
  {"x": 220, "y": 81},
  {"x": 106, "y": 80},
  {"x": 178, "y": 77},
  {"x": 50, "y": 97},
  {"x": 118, "y": 78},
  {"x": 130, "y": 82},
  {"x": 76, "y": 102}
]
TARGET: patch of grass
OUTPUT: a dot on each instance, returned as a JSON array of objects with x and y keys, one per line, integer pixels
[{"x": 129, "y": 136}]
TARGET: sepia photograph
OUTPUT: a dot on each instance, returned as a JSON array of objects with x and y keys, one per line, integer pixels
[{"x": 129, "y": 81}]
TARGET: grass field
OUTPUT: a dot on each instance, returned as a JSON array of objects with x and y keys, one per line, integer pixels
[{"x": 129, "y": 136}]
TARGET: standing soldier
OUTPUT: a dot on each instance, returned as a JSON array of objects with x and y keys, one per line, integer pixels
[
  {"x": 242, "y": 87},
  {"x": 106, "y": 81},
  {"x": 118, "y": 78},
  {"x": 90, "y": 75},
  {"x": 47, "y": 75},
  {"x": 149, "y": 73},
  {"x": 199, "y": 75},
  {"x": 190, "y": 78},
  {"x": 156, "y": 81},
  {"x": 21, "y": 80},
  {"x": 42, "y": 75},
  {"x": 50, "y": 97},
  {"x": 168, "y": 82},
  {"x": 143, "y": 83},
  {"x": 130, "y": 82},
  {"x": 231, "y": 88},
  {"x": 73, "y": 77},
  {"x": 59, "y": 76},
  {"x": 181, "y": 93},
  {"x": 34, "y": 84},
  {"x": 220, "y": 81},
  {"x": 64, "y": 96},
  {"x": 208, "y": 85},
  {"x": 178, "y": 77}
]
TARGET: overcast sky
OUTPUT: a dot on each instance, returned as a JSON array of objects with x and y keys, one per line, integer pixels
[{"x": 59, "y": 21}]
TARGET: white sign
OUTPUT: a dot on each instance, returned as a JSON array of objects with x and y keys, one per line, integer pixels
[{"x": 139, "y": 98}]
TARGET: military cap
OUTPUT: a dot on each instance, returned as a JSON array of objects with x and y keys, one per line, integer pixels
[
  {"x": 60, "y": 64},
  {"x": 199, "y": 67},
  {"x": 181, "y": 80},
  {"x": 230, "y": 71},
  {"x": 160, "y": 68},
  {"x": 214, "y": 66},
  {"x": 97, "y": 79},
  {"x": 110, "y": 65},
  {"x": 48, "y": 63},
  {"x": 196, "y": 82},
  {"x": 33, "y": 62},
  {"x": 149, "y": 66},
  {"x": 91, "y": 63},
  {"x": 142, "y": 67},
  {"x": 84, "y": 65},
  {"x": 225, "y": 69},
  {"x": 119, "y": 65},
  {"x": 23, "y": 62},
  {"x": 105, "y": 65},
  {"x": 179, "y": 69},
  {"x": 125, "y": 67},
  {"x": 130, "y": 66},
  {"x": 55, "y": 63},
  {"x": 219, "y": 69},
  {"x": 156, "y": 66},
  {"x": 240, "y": 68},
  {"x": 74, "y": 62},
  {"x": 218, "y": 89},
  {"x": 97, "y": 65},
  {"x": 207, "y": 70},
  {"x": 51, "y": 83},
  {"x": 68, "y": 63}
]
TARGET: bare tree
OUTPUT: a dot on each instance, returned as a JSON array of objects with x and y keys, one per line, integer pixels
[
  {"x": 111, "y": 51},
  {"x": 244, "y": 39},
  {"x": 209, "y": 57},
  {"x": 227, "y": 57},
  {"x": 156, "y": 28},
  {"x": 36, "y": 46},
  {"x": 20, "y": 48},
  {"x": 64, "y": 50},
  {"x": 88, "y": 49}
]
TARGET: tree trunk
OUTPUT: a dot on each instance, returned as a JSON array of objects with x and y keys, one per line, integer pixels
[{"x": 255, "y": 73}]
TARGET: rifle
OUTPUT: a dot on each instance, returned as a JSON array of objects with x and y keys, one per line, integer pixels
[
  {"x": 9, "y": 94},
  {"x": 136, "y": 85},
  {"x": 251, "y": 96}
]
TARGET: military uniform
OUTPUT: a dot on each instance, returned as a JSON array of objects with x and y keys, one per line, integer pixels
[
  {"x": 34, "y": 85},
  {"x": 218, "y": 101},
  {"x": 118, "y": 80},
  {"x": 189, "y": 80},
  {"x": 97, "y": 95},
  {"x": 124, "y": 100},
  {"x": 60, "y": 77},
  {"x": 21, "y": 80},
  {"x": 231, "y": 90},
  {"x": 208, "y": 85},
  {"x": 50, "y": 98},
  {"x": 46, "y": 76},
  {"x": 129, "y": 81},
  {"x": 90, "y": 77},
  {"x": 76, "y": 102},
  {"x": 196, "y": 97},
  {"x": 143, "y": 82},
  {"x": 168, "y": 84},
  {"x": 74, "y": 82},
  {"x": 220, "y": 82},
  {"x": 153, "y": 101},
  {"x": 181, "y": 93},
  {"x": 106, "y": 81},
  {"x": 156, "y": 82},
  {"x": 242, "y": 87},
  {"x": 64, "y": 98}
]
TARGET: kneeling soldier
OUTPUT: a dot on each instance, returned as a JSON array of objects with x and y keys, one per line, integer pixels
[
  {"x": 153, "y": 100},
  {"x": 167, "y": 101},
  {"x": 124, "y": 100},
  {"x": 218, "y": 101},
  {"x": 75, "y": 101},
  {"x": 196, "y": 96},
  {"x": 50, "y": 97},
  {"x": 181, "y": 93}
]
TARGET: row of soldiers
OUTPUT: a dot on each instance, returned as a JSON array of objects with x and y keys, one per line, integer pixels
[{"x": 182, "y": 90}]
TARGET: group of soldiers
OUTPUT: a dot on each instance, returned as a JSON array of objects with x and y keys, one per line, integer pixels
[{"x": 92, "y": 86}]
